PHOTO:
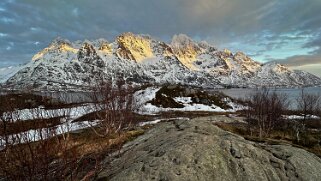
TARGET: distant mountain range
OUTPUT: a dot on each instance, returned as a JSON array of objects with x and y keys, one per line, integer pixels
[{"x": 141, "y": 59}]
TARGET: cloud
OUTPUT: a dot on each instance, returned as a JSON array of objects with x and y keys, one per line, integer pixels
[
  {"x": 75, "y": 12},
  {"x": 301, "y": 60},
  {"x": 312, "y": 68},
  {"x": 312, "y": 58},
  {"x": 3, "y": 34}
]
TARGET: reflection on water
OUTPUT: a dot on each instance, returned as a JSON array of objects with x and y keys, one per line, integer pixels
[
  {"x": 71, "y": 97},
  {"x": 66, "y": 97},
  {"x": 237, "y": 93},
  {"x": 292, "y": 93}
]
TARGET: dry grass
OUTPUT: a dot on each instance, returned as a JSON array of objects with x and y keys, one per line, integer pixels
[
  {"x": 87, "y": 142},
  {"x": 310, "y": 140},
  {"x": 84, "y": 146}
]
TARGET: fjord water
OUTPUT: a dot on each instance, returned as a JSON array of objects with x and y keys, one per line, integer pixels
[
  {"x": 292, "y": 93},
  {"x": 237, "y": 93}
]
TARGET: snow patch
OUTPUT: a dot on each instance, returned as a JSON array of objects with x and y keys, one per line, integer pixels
[
  {"x": 161, "y": 120},
  {"x": 6, "y": 73},
  {"x": 297, "y": 117},
  {"x": 41, "y": 113},
  {"x": 143, "y": 97},
  {"x": 45, "y": 133},
  {"x": 184, "y": 100}
]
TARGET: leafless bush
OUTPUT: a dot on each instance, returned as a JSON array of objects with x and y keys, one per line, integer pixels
[
  {"x": 309, "y": 105},
  {"x": 40, "y": 154},
  {"x": 265, "y": 110},
  {"x": 113, "y": 107}
]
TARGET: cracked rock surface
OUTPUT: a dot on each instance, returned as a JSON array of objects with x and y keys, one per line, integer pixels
[{"x": 198, "y": 150}]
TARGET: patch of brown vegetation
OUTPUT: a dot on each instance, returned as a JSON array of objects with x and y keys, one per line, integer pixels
[
  {"x": 80, "y": 155},
  {"x": 310, "y": 140},
  {"x": 87, "y": 142}
]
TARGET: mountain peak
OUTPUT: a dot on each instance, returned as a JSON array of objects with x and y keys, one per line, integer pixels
[
  {"x": 134, "y": 47},
  {"x": 182, "y": 41},
  {"x": 185, "y": 49},
  {"x": 57, "y": 46},
  {"x": 58, "y": 41},
  {"x": 87, "y": 53},
  {"x": 105, "y": 47},
  {"x": 128, "y": 35},
  {"x": 240, "y": 56}
]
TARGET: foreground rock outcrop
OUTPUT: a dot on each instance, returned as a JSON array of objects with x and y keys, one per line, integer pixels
[{"x": 198, "y": 150}]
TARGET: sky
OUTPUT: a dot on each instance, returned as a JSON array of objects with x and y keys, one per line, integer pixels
[{"x": 287, "y": 31}]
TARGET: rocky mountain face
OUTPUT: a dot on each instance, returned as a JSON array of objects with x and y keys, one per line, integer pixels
[
  {"x": 198, "y": 150},
  {"x": 142, "y": 59}
]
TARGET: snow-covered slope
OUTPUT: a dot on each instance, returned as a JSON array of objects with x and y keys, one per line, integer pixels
[
  {"x": 7, "y": 72},
  {"x": 142, "y": 59}
]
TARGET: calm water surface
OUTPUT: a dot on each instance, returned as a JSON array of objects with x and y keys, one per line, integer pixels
[{"x": 292, "y": 93}]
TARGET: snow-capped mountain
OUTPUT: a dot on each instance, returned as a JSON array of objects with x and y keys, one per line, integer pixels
[
  {"x": 7, "y": 72},
  {"x": 142, "y": 59}
]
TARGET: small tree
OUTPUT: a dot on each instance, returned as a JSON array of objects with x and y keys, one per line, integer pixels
[
  {"x": 113, "y": 107},
  {"x": 308, "y": 104},
  {"x": 265, "y": 109}
]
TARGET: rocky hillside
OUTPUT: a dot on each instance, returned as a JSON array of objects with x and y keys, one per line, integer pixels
[
  {"x": 198, "y": 150},
  {"x": 142, "y": 59}
]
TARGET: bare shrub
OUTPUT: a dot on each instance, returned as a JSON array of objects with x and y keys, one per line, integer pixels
[
  {"x": 265, "y": 110},
  {"x": 42, "y": 153},
  {"x": 308, "y": 105},
  {"x": 113, "y": 107}
]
